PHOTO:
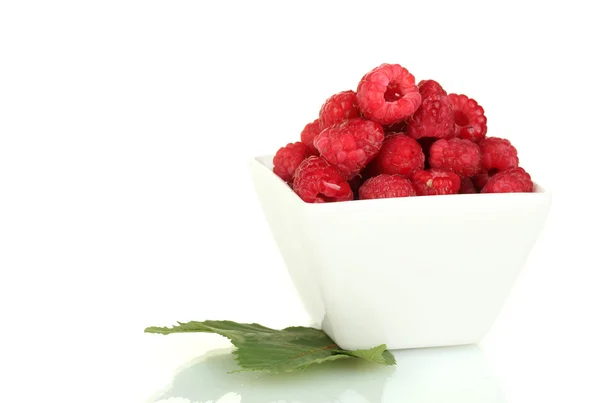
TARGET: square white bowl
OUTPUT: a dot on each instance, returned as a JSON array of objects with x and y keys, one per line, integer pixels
[{"x": 408, "y": 272}]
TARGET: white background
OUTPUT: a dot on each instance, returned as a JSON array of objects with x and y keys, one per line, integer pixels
[{"x": 124, "y": 198}]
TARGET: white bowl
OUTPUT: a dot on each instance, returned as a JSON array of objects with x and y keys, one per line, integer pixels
[{"x": 408, "y": 272}]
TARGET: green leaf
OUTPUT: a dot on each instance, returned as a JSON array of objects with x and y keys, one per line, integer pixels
[
  {"x": 260, "y": 348},
  {"x": 377, "y": 354}
]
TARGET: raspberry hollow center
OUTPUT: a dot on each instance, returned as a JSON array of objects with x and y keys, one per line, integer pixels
[
  {"x": 393, "y": 92},
  {"x": 460, "y": 118}
]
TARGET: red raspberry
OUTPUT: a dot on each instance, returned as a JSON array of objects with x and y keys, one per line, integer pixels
[
  {"x": 287, "y": 159},
  {"x": 309, "y": 133},
  {"x": 436, "y": 182},
  {"x": 435, "y": 117},
  {"x": 401, "y": 155},
  {"x": 385, "y": 186},
  {"x": 338, "y": 108},
  {"x": 387, "y": 94},
  {"x": 467, "y": 186},
  {"x": 470, "y": 121},
  {"x": 317, "y": 181},
  {"x": 457, "y": 155},
  {"x": 350, "y": 145},
  {"x": 498, "y": 154},
  {"x": 512, "y": 180}
]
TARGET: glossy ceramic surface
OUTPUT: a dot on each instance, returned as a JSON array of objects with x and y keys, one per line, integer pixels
[{"x": 407, "y": 272}]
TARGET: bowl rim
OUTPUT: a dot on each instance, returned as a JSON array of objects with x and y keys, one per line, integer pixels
[{"x": 539, "y": 192}]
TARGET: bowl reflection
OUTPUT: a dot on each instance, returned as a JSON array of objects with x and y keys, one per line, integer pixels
[{"x": 432, "y": 375}]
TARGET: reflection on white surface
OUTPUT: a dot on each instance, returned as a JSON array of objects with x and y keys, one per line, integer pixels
[{"x": 435, "y": 375}]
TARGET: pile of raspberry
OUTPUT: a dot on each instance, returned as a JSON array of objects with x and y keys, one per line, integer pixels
[{"x": 395, "y": 138}]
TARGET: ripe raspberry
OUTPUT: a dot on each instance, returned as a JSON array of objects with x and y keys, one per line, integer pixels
[
  {"x": 512, "y": 180},
  {"x": 308, "y": 135},
  {"x": 466, "y": 186},
  {"x": 317, "y": 181},
  {"x": 385, "y": 186},
  {"x": 498, "y": 154},
  {"x": 436, "y": 182},
  {"x": 350, "y": 145},
  {"x": 387, "y": 94},
  {"x": 457, "y": 155},
  {"x": 470, "y": 121},
  {"x": 338, "y": 108},
  {"x": 401, "y": 155},
  {"x": 287, "y": 159},
  {"x": 435, "y": 117}
]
